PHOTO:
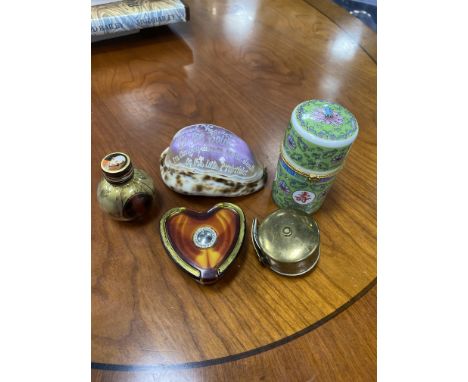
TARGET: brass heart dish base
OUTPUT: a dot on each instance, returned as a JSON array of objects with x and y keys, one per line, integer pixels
[{"x": 203, "y": 244}]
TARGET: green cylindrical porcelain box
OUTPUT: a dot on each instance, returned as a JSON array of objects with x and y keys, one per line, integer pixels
[{"x": 314, "y": 149}]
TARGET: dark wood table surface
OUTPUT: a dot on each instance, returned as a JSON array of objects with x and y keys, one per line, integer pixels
[{"x": 243, "y": 65}]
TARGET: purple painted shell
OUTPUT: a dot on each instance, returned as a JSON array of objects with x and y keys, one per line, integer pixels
[{"x": 209, "y": 160}]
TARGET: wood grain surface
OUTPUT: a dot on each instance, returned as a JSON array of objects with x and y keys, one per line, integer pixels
[
  {"x": 352, "y": 26},
  {"x": 242, "y": 65},
  {"x": 343, "y": 349}
]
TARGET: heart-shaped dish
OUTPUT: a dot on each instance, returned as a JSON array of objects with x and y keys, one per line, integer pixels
[{"x": 203, "y": 244}]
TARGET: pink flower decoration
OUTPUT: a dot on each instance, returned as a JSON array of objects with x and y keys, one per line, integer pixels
[{"x": 328, "y": 116}]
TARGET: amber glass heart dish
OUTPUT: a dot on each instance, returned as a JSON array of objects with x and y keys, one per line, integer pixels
[{"x": 203, "y": 244}]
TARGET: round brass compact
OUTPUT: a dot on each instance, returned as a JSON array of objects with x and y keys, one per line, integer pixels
[{"x": 288, "y": 242}]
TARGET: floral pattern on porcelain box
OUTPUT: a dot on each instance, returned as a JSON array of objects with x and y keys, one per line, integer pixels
[
  {"x": 292, "y": 190},
  {"x": 326, "y": 120},
  {"x": 311, "y": 156}
]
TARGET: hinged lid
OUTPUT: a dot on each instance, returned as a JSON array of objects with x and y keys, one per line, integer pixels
[
  {"x": 309, "y": 174},
  {"x": 325, "y": 123},
  {"x": 288, "y": 241}
]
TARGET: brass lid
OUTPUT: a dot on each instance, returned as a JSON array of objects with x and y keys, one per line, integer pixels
[
  {"x": 288, "y": 241},
  {"x": 117, "y": 167}
]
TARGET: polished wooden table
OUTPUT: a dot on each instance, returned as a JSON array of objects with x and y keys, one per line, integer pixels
[{"x": 242, "y": 65}]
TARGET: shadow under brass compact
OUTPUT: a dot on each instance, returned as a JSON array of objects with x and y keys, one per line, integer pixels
[{"x": 288, "y": 242}]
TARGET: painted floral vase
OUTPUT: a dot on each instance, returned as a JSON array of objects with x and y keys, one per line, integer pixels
[{"x": 314, "y": 149}]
